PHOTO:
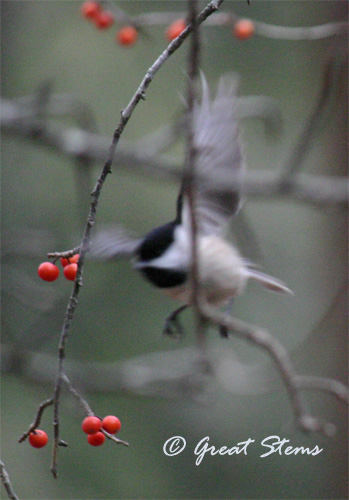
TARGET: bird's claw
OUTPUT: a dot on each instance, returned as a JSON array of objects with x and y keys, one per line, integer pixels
[{"x": 172, "y": 326}]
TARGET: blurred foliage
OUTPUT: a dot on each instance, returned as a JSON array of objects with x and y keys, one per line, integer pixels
[{"x": 119, "y": 315}]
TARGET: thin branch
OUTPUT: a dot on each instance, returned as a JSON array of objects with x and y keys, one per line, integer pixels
[
  {"x": 334, "y": 387},
  {"x": 65, "y": 255},
  {"x": 114, "y": 438},
  {"x": 278, "y": 353},
  {"x": 84, "y": 404},
  {"x": 293, "y": 164},
  {"x": 303, "y": 33},
  {"x": 5, "y": 478},
  {"x": 263, "y": 184},
  {"x": 34, "y": 425},
  {"x": 84, "y": 247},
  {"x": 189, "y": 188},
  {"x": 126, "y": 376}
]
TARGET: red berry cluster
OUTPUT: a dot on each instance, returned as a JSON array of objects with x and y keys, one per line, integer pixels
[
  {"x": 127, "y": 35},
  {"x": 93, "y": 426},
  {"x": 48, "y": 271},
  {"x": 103, "y": 19},
  {"x": 94, "y": 12}
]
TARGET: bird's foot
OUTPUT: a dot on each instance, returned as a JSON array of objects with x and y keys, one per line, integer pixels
[{"x": 172, "y": 324}]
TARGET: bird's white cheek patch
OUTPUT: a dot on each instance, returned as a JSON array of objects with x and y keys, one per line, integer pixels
[{"x": 177, "y": 256}]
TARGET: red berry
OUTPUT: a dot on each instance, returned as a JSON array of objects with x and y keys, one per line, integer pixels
[
  {"x": 175, "y": 29},
  {"x": 127, "y": 36},
  {"x": 243, "y": 29},
  {"x": 104, "y": 19},
  {"x": 111, "y": 424},
  {"x": 90, "y": 9},
  {"x": 70, "y": 271},
  {"x": 38, "y": 438},
  {"x": 96, "y": 439},
  {"x": 48, "y": 271},
  {"x": 91, "y": 424},
  {"x": 71, "y": 260}
]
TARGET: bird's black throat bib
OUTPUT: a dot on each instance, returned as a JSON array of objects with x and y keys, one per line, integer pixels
[{"x": 164, "y": 278}]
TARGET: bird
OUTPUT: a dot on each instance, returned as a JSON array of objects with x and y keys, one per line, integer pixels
[{"x": 164, "y": 255}]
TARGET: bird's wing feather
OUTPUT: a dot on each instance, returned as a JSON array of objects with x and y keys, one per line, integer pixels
[
  {"x": 219, "y": 161},
  {"x": 115, "y": 243}
]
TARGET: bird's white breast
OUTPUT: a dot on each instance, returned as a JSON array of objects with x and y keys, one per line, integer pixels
[{"x": 222, "y": 272}]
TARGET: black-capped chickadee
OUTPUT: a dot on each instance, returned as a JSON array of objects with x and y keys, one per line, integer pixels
[{"x": 163, "y": 256}]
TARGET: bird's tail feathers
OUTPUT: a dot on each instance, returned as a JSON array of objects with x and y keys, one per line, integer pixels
[{"x": 269, "y": 282}]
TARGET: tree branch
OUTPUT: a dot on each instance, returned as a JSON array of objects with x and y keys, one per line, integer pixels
[
  {"x": 278, "y": 353},
  {"x": 5, "y": 478}
]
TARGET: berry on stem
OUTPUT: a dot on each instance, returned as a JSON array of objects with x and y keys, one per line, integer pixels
[
  {"x": 96, "y": 439},
  {"x": 38, "y": 438},
  {"x": 127, "y": 36},
  {"x": 111, "y": 424},
  {"x": 72, "y": 260},
  {"x": 175, "y": 29},
  {"x": 70, "y": 271},
  {"x": 91, "y": 424},
  {"x": 90, "y": 9},
  {"x": 48, "y": 271},
  {"x": 243, "y": 29},
  {"x": 104, "y": 19}
]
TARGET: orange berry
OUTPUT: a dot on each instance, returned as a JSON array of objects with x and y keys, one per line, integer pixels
[
  {"x": 104, "y": 19},
  {"x": 70, "y": 271},
  {"x": 127, "y": 36},
  {"x": 91, "y": 424},
  {"x": 96, "y": 439},
  {"x": 48, "y": 271},
  {"x": 175, "y": 29},
  {"x": 243, "y": 29},
  {"x": 111, "y": 424},
  {"x": 38, "y": 438},
  {"x": 90, "y": 9},
  {"x": 72, "y": 260}
]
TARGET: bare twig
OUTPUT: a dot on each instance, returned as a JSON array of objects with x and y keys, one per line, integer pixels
[
  {"x": 34, "y": 425},
  {"x": 324, "y": 384},
  {"x": 5, "y": 478},
  {"x": 84, "y": 404},
  {"x": 114, "y": 438},
  {"x": 65, "y": 255}
]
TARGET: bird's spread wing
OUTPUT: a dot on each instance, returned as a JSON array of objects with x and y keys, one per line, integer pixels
[
  {"x": 219, "y": 166},
  {"x": 112, "y": 243}
]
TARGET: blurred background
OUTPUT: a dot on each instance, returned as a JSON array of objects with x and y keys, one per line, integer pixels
[{"x": 61, "y": 75}]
